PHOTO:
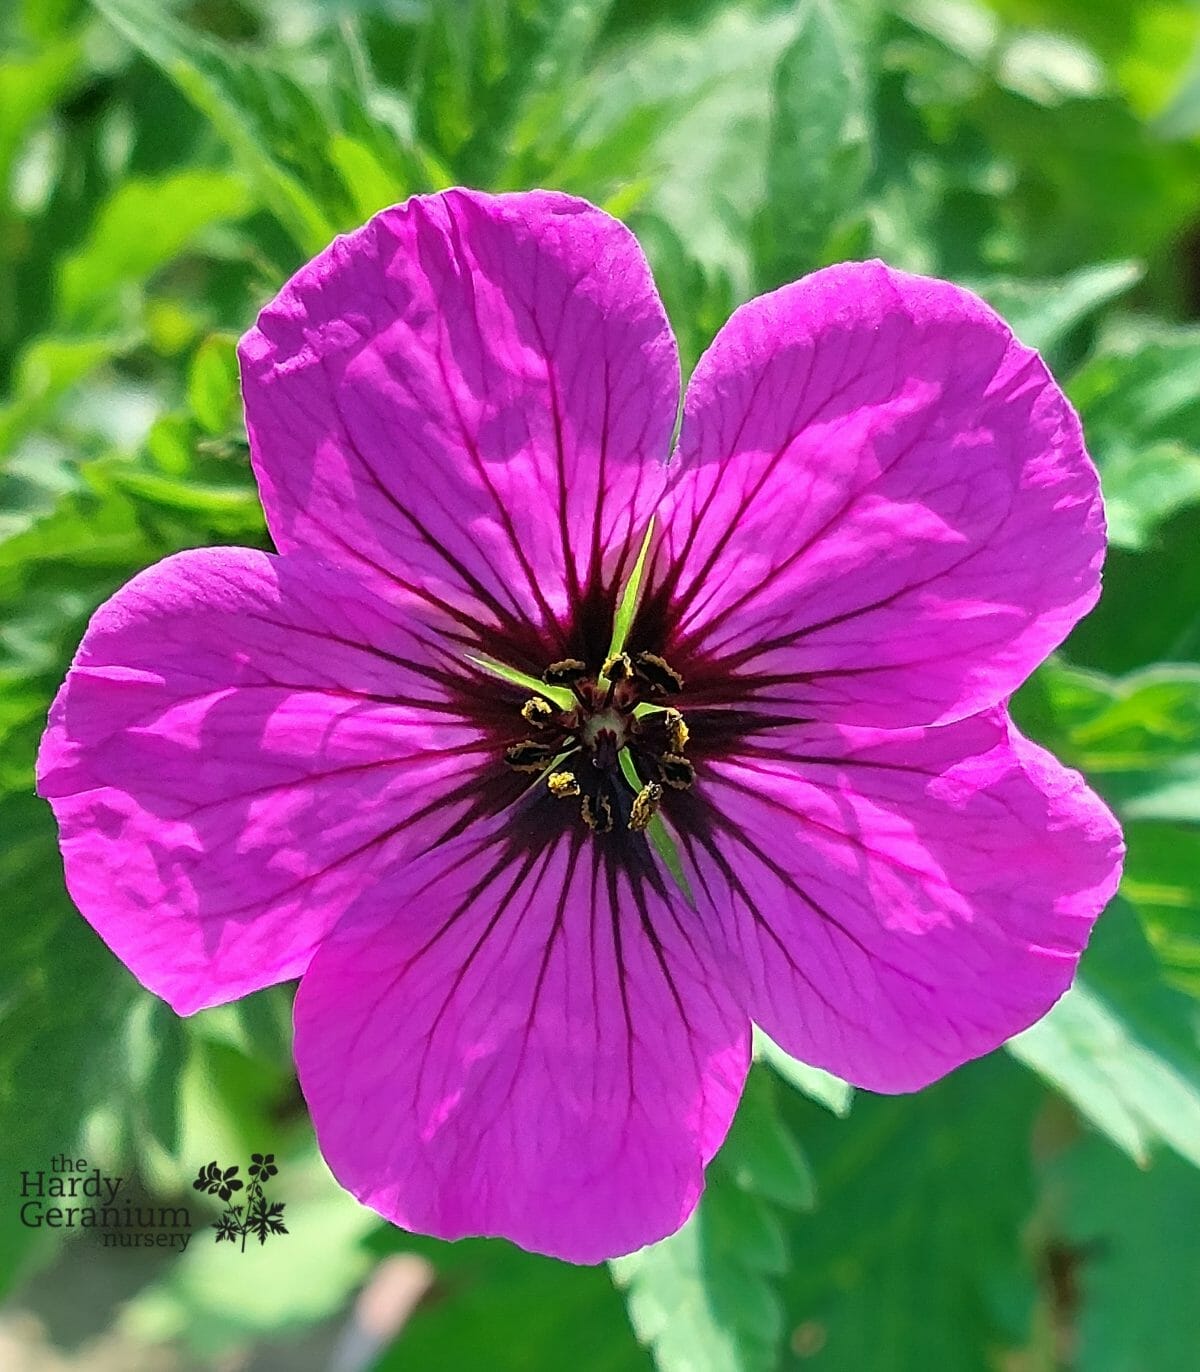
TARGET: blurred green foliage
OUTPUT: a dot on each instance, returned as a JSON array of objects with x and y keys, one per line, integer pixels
[{"x": 163, "y": 167}]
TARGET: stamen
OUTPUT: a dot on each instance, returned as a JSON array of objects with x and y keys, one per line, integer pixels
[
  {"x": 529, "y": 755},
  {"x": 580, "y": 750},
  {"x": 563, "y": 785},
  {"x": 657, "y": 673},
  {"x": 618, "y": 667},
  {"x": 677, "y": 730},
  {"x": 538, "y": 712},
  {"x": 565, "y": 673},
  {"x": 645, "y": 804},
  {"x": 677, "y": 771},
  {"x": 597, "y": 816}
]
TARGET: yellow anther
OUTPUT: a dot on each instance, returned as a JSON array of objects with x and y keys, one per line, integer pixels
[
  {"x": 658, "y": 673},
  {"x": 529, "y": 756},
  {"x": 538, "y": 712},
  {"x": 677, "y": 730},
  {"x": 618, "y": 667},
  {"x": 565, "y": 673},
  {"x": 597, "y": 816},
  {"x": 677, "y": 771},
  {"x": 563, "y": 784},
  {"x": 645, "y": 804}
]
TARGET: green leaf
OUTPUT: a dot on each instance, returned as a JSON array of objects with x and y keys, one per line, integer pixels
[
  {"x": 505, "y": 1310},
  {"x": 1128, "y": 1237},
  {"x": 687, "y": 108},
  {"x": 1122, "y": 1045},
  {"x": 570, "y": 31},
  {"x": 31, "y": 85},
  {"x": 821, "y": 1086},
  {"x": 1145, "y": 487},
  {"x": 698, "y": 299},
  {"x": 760, "y": 1156},
  {"x": 819, "y": 151},
  {"x": 913, "y": 1258},
  {"x": 47, "y": 370},
  {"x": 1044, "y": 314},
  {"x": 1162, "y": 882},
  {"x": 212, "y": 388},
  {"x": 492, "y": 75},
  {"x": 1146, "y": 48},
  {"x": 260, "y": 112},
  {"x": 703, "y": 1299},
  {"x": 227, "y": 509},
  {"x": 1136, "y": 737},
  {"x": 371, "y": 185},
  {"x": 1149, "y": 612},
  {"x": 1139, "y": 397},
  {"x": 145, "y": 224},
  {"x": 63, "y": 999},
  {"x": 156, "y": 1053}
]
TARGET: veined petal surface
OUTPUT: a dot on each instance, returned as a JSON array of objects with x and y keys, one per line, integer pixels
[
  {"x": 900, "y": 901},
  {"x": 242, "y": 742},
  {"x": 470, "y": 400},
  {"x": 881, "y": 511},
  {"x": 523, "y": 1038}
]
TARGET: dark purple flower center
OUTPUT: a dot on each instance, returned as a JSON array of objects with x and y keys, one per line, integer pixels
[{"x": 616, "y": 748}]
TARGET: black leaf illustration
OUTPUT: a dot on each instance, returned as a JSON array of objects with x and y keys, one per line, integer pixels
[
  {"x": 265, "y": 1219},
  {"x": 227, "y": 1227}
]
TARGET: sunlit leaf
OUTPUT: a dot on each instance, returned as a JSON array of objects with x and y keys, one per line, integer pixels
[
  {"x": 213, "y": 384},
  {"x": 143, "y": 226},
  {"x": 1139, "y": 396},
  {"x": 1122, "y": 1045},
  {"x": 914, "y": 1257},
  {"x": 1044, "y": 314},
  {"x": 819, "y": 150},
  {"x": 1137, "y": 737},
  {"x": 1162, "y": 882},
  {"x": 704, "y": 1300},
  {"x": 256, "y": 110},
  {"x": 819, "y": 1085}
]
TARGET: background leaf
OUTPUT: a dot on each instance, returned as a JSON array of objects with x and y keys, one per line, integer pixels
[{"x": 703, "y": 1300}]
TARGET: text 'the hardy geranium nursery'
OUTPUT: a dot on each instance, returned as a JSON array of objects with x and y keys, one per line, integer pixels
[{"x": 538, "y": 862}]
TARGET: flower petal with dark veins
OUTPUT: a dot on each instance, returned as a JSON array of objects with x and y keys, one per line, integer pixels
[
  {"x": 900, "y": 901},
  {"x": 881, "y": 511},
  {"x": 523, "y": 1038},
  {"x": 470, "y": 400},
  {"x": 242, "y": 741}
]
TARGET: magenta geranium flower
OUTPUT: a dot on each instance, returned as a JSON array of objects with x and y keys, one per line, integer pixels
[{"x": 513, "y": 1019}]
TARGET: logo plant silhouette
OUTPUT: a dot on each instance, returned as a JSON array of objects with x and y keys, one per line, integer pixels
[{"x": 257, "y": 1215}]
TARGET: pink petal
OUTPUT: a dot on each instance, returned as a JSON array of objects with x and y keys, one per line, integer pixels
[
  {"x": 242, "y": 742},
  {"x": 470, "y": 400},
  {"x": 522, "y": 1039},
  {"x": 901, "y": 901},
  {"x": 883, "y": 512}
]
